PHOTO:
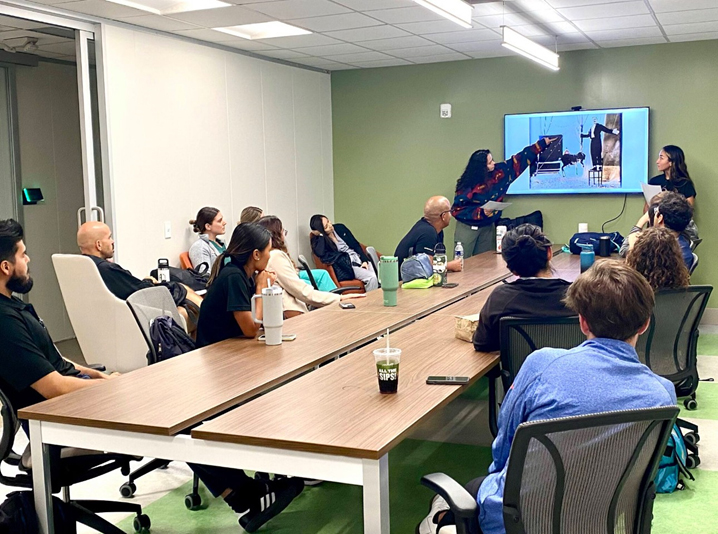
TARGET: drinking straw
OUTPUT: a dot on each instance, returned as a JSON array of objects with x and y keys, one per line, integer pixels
[{"x": 387, "y": 343}]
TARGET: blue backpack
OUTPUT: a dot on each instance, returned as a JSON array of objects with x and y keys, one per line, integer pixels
[{"x": 680, "y": 454}]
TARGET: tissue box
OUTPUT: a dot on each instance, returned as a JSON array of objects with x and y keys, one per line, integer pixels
[{"x": 466, "y": 326}]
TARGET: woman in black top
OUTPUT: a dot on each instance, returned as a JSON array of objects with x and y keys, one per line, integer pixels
[
  {"x": 527, "y": 253},
  {"x": 226, "y": 309},
  {"x": 671, "y": 163}
]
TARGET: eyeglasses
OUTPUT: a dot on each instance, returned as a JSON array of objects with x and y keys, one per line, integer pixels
[{"x": 442, "y": 213}]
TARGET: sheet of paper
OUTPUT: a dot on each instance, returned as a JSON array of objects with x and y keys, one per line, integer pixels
[
  {"x": 496, "y": 206},
  {"x": 649, "y": 191}
]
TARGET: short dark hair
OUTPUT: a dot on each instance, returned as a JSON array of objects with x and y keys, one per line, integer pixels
[
  {"x": 525, "y": 250},
  {"x": 614, "y": 299},
  {"x": 11, "y": 234},
  {"x": 676, "y": 210}
]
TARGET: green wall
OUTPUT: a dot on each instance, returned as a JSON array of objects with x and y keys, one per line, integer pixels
[{"x": 392, "y": 151}]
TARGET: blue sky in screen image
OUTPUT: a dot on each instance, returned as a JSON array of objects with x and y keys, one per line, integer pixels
[{"x": 626, "y": 155}]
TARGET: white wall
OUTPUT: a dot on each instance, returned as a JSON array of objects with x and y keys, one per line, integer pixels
[
  {"x": 50, "y": 158},
  {"x": 192, "y": 126}
]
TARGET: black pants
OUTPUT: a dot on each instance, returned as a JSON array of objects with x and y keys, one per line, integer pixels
[
  {"x": 219, "y": 479},
  {"x": 473, "y": 489}
]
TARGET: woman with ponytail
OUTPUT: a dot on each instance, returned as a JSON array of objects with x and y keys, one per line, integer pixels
[
  {"x": 482, "y": 181},
  {"x": 209, "y": 224},
  {"x": 239, "y": 273},
  {"x": 527, "y": 253}
]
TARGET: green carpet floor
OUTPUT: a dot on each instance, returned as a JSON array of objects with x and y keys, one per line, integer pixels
[{"x": 337, "y": 509}]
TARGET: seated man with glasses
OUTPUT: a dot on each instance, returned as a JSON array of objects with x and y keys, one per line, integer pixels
[{"x": 428, "y": 232}]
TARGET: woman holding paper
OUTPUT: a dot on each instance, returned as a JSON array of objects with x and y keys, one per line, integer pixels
[
  {"x": 485, "y": 180},
  {"x": 674, "y": 175}
]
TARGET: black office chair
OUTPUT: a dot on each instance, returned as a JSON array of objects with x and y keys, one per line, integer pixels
[
  {"x": 694, "y": 264},
  {"x": 146, "y": 305},
  {"x": 519, "y": 337},
  {"x": 303, "y": 265},
  {"x": 669, "y": 346},
  {"x": 590, "y": 474},
  {"x": 69, "y": 466}
]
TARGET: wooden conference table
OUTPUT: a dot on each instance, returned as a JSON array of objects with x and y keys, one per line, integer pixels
[{"x": 338, "y": 432}]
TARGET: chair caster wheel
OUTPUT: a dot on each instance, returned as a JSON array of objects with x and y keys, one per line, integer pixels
[
  {"x": 692, "y": 461},
  {"x": 192, "y": 501},
  {"x": 141, "y": 523},
  {"x": 128, "y": 489},
  {"x": 690, "y": 404},
  {"x": 692, "y": 438}
]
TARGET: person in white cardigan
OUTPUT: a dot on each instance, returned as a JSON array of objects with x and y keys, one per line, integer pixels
[
  {"x": 297, "y": 293},
  {"x": 209, "y": 224}
]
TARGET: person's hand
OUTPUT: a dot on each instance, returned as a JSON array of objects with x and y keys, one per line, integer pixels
[
  {"x": 265, "y": 279},
  {"x": 353, "y": 296},
  {"x": 152, "y": 279},
  {"x": 643, "y": 221}
]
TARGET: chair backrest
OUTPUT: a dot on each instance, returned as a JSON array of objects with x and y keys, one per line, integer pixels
[
  {"x": 669, "y": 345},
  {"x": 374, "y": 256},
  {"x": 104, "y": 326},
  {"x": 694, "y": 264},
  {"x": 591, "y": 474},
  {"x": 148, "y": 304},
  {"x": 520, "y": 336},
  {"x": 303, "y": 264},
  {"x": 185, "y": 262}
]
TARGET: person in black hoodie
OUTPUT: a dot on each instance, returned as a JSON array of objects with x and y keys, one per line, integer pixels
[
  {"x": 335, "y": 245},
  {"x": 527, "y": 253}
]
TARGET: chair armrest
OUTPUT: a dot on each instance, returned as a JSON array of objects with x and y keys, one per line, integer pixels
[
  {"x": 344, "y": 289},
  {"x": 97, "y": 367},
  {"x": 460, "y": 501}
]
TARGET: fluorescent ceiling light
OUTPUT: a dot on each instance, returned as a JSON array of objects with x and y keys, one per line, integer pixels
[
  {"x": 526, "y": 47},
  {"x": 455, "y": 10},
  {"x": 168, "y": 7},
  {"x": 264, "y": 30}
]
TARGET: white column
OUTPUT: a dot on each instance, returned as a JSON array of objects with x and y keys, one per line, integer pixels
[
  {"x": 41, "y": 484},
  {"x": 376, "y": 495}
]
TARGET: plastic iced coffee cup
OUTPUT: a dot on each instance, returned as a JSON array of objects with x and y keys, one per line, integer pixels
[{"x": 387, "y": 368}]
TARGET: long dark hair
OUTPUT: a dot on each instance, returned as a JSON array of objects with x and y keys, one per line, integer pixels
[
  {"x": 204, "y": 217},
  {"x": 316, "y": 224},
  {"x": 525, "y": 250},
  {"x": 246, "y": 238},
  {"x": 678, "y": 172},
  {"x": 476, "y": 172},
  {"x": 275, "y": 227}
]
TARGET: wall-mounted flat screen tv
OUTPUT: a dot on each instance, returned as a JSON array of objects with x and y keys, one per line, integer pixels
[{"x": 594, "y": 151}]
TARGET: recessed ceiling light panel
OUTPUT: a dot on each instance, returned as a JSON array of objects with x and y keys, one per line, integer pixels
[
  {"x": 264, "y": 30},
  {"x": 168, "y": 7}
]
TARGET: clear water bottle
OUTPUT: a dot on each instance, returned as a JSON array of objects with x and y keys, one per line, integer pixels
[
  {"x": 163, "y": 270},
  {"x": 440, "y": 262},
  {"x": 459, "y": 253}
]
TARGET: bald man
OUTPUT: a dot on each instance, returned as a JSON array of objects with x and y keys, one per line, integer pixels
[{"x": 427, "y": 232}]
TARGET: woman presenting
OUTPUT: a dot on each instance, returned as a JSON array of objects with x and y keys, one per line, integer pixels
[{"x": 482, "y": 181}]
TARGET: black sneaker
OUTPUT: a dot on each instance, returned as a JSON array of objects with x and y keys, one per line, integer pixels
[{"x": 277, "y": 496}]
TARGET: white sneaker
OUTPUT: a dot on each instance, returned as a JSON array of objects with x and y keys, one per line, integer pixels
[{"x": 429, "y": 524}]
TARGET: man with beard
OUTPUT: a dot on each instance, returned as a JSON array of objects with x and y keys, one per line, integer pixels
[{"x": 31, "y": 368}]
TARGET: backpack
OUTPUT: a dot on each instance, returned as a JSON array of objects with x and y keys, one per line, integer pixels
[
  {"x": 168, "y": 339},
  {"x": 593, "y": 238},
  {"x": 678, "y": 456},
  {"x": 195, "y": 279},
  {"x": 535, "y": 218},
  {"x": 415, "y": 267},
  {"x": 18, "y": 516}
]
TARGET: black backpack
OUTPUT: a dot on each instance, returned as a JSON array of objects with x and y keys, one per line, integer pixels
[
  {"x": 17, "y": 515},
  {"x": 535, "y": 218},
  {"x": 168, "y": 339},
  {"x": 193, "y": 278}
]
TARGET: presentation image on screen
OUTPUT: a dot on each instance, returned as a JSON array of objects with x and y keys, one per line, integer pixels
[{"x": 593, "y": 151}]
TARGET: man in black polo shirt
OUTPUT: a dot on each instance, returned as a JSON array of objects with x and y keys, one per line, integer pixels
[
  {"x": 427, "y": 232},
  {"x": 31, "y": 368}
]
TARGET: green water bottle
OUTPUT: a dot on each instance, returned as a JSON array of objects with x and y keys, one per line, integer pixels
[{"x": 389, "y": 278}]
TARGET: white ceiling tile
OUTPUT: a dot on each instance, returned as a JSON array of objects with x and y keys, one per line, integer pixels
[
  {"x": 490, "y": 8},
  {"x": 368, "y": 5},
  {"x": 698, "y": 27},
  {"x": 321, "y": 63},
  {"x": 361, "y": 56},
  {"x": 437, "y": 26},
  {"x": 572, "y": 38},
  {"x": 531, "y": 5},
  {"x": 394, "y": 62},
  {"x": 633, "y": 42},
  {"x": 204, "y": 34},
  {"x": 686, "y": 17},
  {"x": 421, "y": 51},
  {"x": 100, "y": 8},
  {"x": 158, "y": 22},
  {"x": 331, "y": 50},
  {"x": 562, "y": 27},
  {"x": 296, "y": 41},
  {"x": 477, "y": 46},
  {"x": 637, "y": 7},
  {"x": 510, "y": 19},
  {"x": 368, "y": 34},
  {"x": 284, "y": 54},
  {"x": 661, "y": 6},
  {"x": 502, "y": 52},
  {"x": 463, "y": 36},
  {"x": 577, "y": 3},
  {"x": 615, "y": 23},
  {"x": 245, "y": 44},
  {"x": 628, "y": 33},
  {"x": 693, "y": 37},
  {"x": 455, "y": 56},
  {"x": 546, "y": 15},
  {"x": 530, "y": 30},
  {"x": 406, "y": 14},
  {"x": 397, "y": 43},
  {"x": 330, "y": 23},
  {"x": 222, "y": 17},
  {"x": 577, "y": 46},
  {"x": 297, "y": 9}
]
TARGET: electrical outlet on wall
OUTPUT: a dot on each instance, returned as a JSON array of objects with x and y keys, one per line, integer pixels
[{"x": 168, "y": 230}]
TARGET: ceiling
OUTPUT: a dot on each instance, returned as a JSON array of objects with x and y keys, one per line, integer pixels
[
  {"x": 52, "y": 41},
  {"x": 351, "y": 34}
]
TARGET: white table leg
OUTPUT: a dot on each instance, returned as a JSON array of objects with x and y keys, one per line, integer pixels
[
  {"x": 41, "y": 484},
  {"x": 376, "y": 495}
]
